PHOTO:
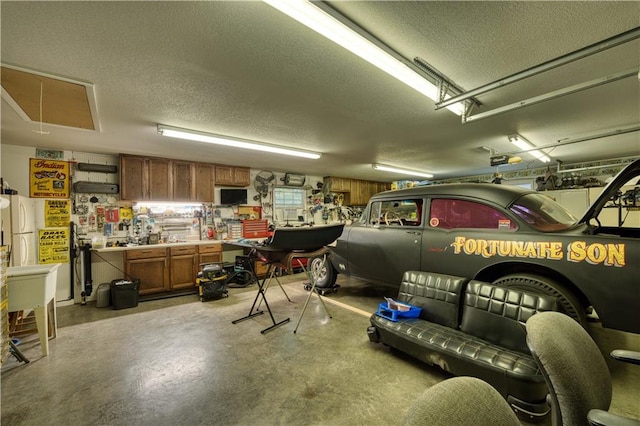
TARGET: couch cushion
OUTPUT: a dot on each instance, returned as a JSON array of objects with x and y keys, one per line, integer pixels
[
  {"x": 498, "y": 314},
  {"x": 439, "y": 296},
  {"x": 452, "y": 344}
]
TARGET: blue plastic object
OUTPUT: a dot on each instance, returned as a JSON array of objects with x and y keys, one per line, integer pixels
[{"x": 395, "y": 315}]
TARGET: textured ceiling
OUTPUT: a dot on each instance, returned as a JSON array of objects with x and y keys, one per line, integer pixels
[{"x": 244, "y": 69}]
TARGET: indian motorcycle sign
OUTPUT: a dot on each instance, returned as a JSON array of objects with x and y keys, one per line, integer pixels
[{"x": 48, "y": 178}]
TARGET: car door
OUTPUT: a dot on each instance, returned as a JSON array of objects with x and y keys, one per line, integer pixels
[
  {"x": 389, "y": 241},
  {"x": 453, "y": 218}
]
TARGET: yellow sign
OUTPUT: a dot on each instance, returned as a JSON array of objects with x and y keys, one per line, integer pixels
[
  {"x": 48, "y": 178},
  {"x": 53, "y": 246},
  {"x": 577, "y": 251},
  {"x": 56, "y": 213},
  {"x": 126, "y": 213}
]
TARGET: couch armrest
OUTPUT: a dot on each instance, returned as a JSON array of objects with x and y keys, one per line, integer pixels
[
  {"x": 605, "y": 418},
  {"x": 632, "y": 357}
]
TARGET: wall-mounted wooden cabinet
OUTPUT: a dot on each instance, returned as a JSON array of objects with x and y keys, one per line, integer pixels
[
  {"x": 233, "y": 176},
  {"x": 356, "y": 192},
  {"x": 159, "y": 179},
  {"x": 205, "y": 182},
  {"x": 338, "y": 184},
  {"x": 361, "y": 191},
  {"x": 143, "y": 178},
  {"x": 183, "y": 181},
  {"x": 133, "y": 178}
]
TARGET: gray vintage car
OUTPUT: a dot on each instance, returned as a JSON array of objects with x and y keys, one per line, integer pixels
[{"x": 506, "y": 235}]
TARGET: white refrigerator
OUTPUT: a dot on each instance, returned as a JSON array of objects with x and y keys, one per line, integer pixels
[{"x": 19, "y": 230}]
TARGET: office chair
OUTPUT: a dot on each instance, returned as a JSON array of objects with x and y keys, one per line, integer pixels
[
  {"x": 460, "y": 401},
  {"x": 575, "y": 371}
]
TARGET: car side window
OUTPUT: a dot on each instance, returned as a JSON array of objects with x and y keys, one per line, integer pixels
[
  {"x": 374, "y": 214},
  {"x": 449, "y": 213},
  {"x": 396, "y": 213}
]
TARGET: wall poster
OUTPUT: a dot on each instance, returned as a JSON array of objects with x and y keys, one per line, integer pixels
[
  {"x": 57, "y": 213},
  {"x": 53, "y": 246},
  {"x": 48, "y": 178}
]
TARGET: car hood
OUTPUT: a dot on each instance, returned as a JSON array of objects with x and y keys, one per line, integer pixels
[{"x": 626, "y": 174}]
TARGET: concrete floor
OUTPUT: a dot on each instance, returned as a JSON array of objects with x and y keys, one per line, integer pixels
[{"x": 181, "y": 361}]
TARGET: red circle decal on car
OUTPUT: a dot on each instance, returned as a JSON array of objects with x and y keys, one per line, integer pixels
[{"x": 434, "y": 221}]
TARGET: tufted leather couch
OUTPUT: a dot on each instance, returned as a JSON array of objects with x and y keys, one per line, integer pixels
[{"x": 471, "y": 328}]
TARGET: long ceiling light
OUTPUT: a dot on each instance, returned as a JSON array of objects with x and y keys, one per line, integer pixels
[
  {"x": 528, "y": 147},
  {"x": 384, "y": 168},
  {"x": 193, "y": 135},
  {"x": 359, "y": 43}
]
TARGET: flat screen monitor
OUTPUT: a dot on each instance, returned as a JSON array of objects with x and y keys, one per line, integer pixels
[{"x": 233, "y": 197}]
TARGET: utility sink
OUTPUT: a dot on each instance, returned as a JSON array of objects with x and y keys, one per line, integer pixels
[{"x": 33, "y": 287}]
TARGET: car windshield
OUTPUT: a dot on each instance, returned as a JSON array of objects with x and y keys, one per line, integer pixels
[{"x": 542, "y": 213}]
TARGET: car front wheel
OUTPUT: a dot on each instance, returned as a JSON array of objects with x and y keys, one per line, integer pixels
[
  {"x": 567, "y": 303},
  {"x": 323, "y": 272}
]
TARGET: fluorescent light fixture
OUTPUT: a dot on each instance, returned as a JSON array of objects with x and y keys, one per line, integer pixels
[
  {"x": 400, "y": 171},
  {"x": 167, "y": 204},
  {"x": 528, "y": 147},
  {"x": 193, "y": 135},
  {"x": 359, "y": 43}
]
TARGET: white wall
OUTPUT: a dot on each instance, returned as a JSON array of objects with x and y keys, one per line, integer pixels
[
  {"x": 15, "y": 167},
  {"x": 14, "y": 170}
]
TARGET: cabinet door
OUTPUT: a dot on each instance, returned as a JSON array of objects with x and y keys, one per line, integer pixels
[
  {"x": 224, "y": 175},
  {"x": 241, "y": 176},
  {"x": 383, "y": 186},
  {"x": 132, "y": 178},
  {"x": 183, "y": 181},
  {"x": 204, "y": 182},
  {"x": 152, "y": 273},
  {"x": 233, "y": 176},
  {"x": 338, "y": 184},
  {"x": 358, "y": 192},
  {"x": 372, "y": 189},
  {"x": 183, "y": 271},
  {"x": 158, "y": 179}
]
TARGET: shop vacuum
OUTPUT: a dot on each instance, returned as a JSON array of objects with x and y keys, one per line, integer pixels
[
  {"x": 212, "y": 282},
  {"x": 214, "y": 278}
]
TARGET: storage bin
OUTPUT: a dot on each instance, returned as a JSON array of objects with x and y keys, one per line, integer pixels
[
  {"x": 394, "y": 315},
  {"x": 124, "y": 294},
  {"x": 103, "y": 295}
]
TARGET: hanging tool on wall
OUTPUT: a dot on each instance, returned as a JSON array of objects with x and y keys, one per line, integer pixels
[
  {"x": 325, "y": 214},
  {"x": 85, "y": 268}
]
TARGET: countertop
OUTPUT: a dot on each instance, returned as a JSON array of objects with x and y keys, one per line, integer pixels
[{"x": 164, "y": 245}]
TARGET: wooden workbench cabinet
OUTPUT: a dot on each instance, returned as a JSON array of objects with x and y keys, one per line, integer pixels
[
  {"x": 184, "y": 267},
  {"x": 210, "y": 253},
  {"x": 169, "y": 269},
  {"x": 151, "y": 267}
]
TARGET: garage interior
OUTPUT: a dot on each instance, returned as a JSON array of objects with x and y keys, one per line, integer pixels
[{"x": 95, "y": 81}]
